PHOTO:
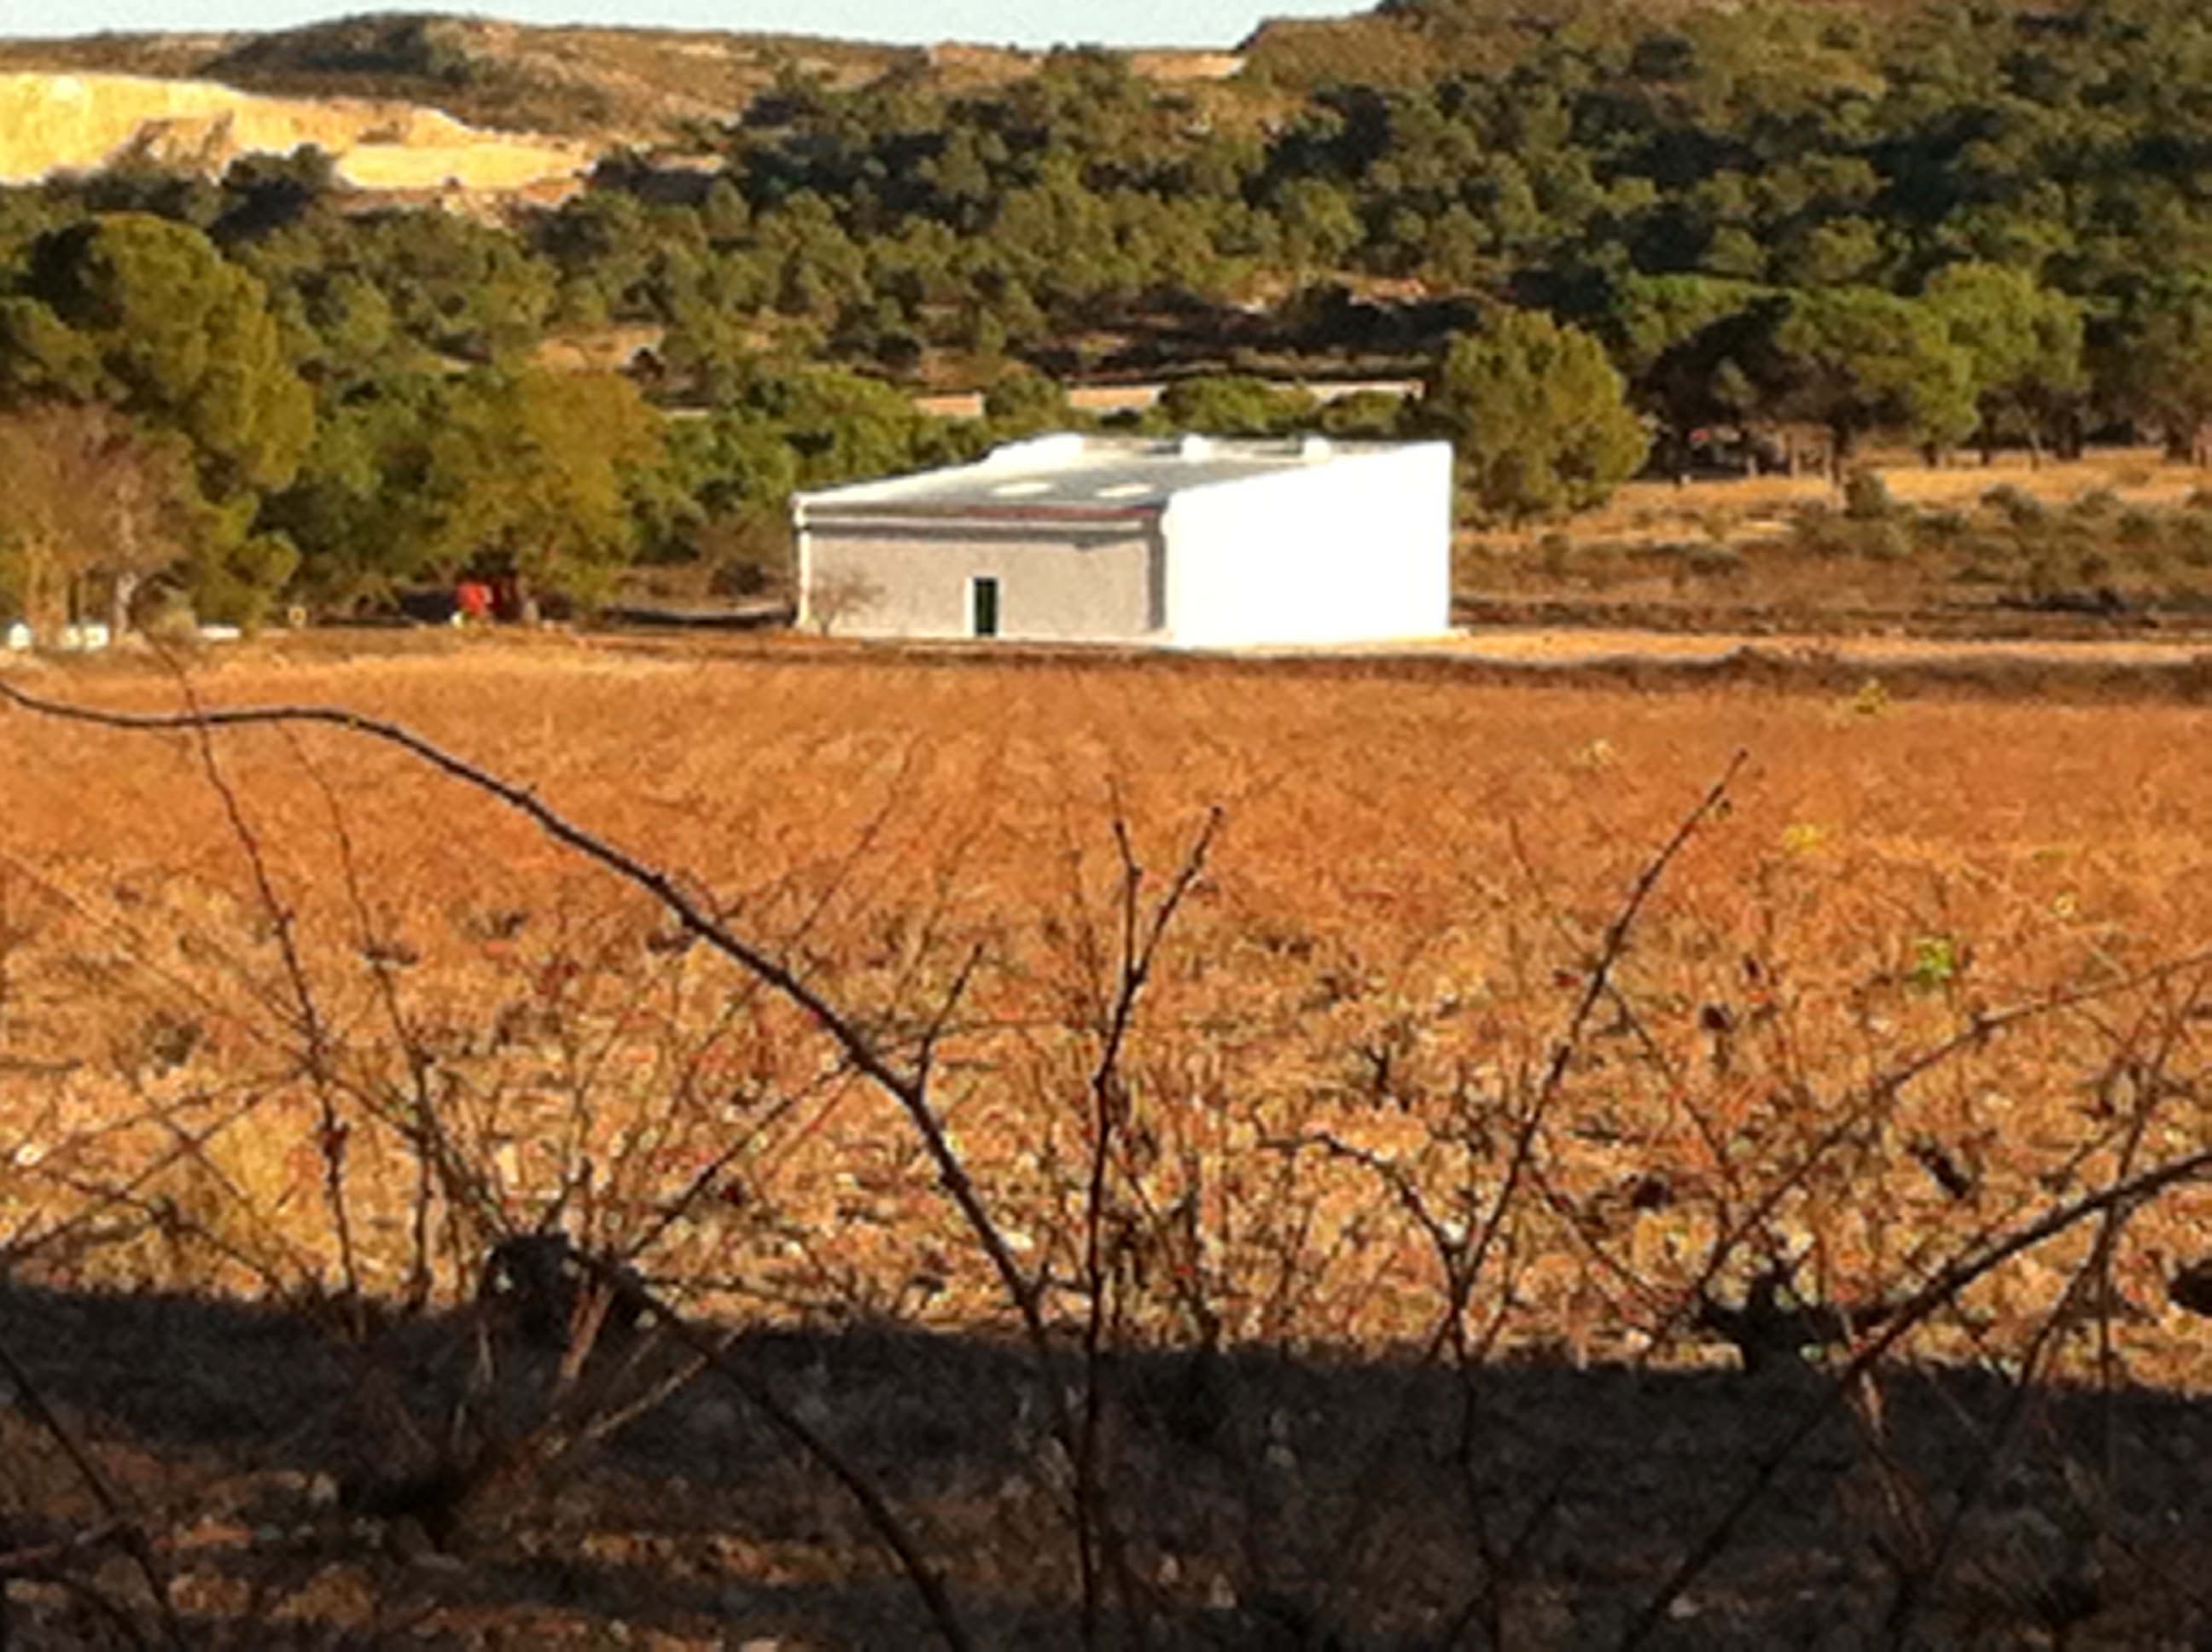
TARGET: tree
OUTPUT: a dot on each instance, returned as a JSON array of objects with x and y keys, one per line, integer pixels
[
  {"x": 1022, "y": 402},
  {"x": 357, "y": 509},
  {"x": 146, "y": 317},
  {"x": 602, "y": 243},
  {"x": 2024, "y": 342},
  {"x": 708, "y": 350},
  {"x": 88, "y": 502},
  {"x": 1363, "y": 415},
  {"x": 721, "y": 498},
  {"x": 1863, "y": 358},
  {"x": 1537, "y": 415},
  {"x": 2163, "y": 367},
  {"x": 528, "y": 477},
  {"x": 1319, "y": 227},
  {"x": 1236, "y": 405},
  {"x": 41, "y": 355},
  {"x": 1697, "y": 348},
  {"x": 264, "y": 193},
  {"x": 181, "y": 339},
  {"x": 456, "y": 287},
  {"x": 842, "y": 427}
]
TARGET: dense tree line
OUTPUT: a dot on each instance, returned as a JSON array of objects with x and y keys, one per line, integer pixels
[{"x": 1755, "y": 234}]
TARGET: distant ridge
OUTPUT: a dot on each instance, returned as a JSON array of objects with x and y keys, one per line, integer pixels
[
  {"x": 593, "y": 90},
  {"x": 608, "y": 85},
  {"x": 597, "y": 83}
]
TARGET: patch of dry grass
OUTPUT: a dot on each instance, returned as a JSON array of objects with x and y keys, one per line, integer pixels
[
  {"x": 2139, "y": 476},
  {"x": 2112, "y": 542}
]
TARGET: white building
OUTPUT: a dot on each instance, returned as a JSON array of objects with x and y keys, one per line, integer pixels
[{"x": 1191, "y": 542}]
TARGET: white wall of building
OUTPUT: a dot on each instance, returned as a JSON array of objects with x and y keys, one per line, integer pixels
[
  {"x": 881, "y": 580},
  {"x": 1356, "y": 549}
]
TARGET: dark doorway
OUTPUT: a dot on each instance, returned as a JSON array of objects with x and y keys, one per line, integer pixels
[{"x": 983, "y": 605}]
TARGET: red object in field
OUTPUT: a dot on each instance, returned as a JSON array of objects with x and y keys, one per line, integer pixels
[{"x": 473, "y": 597}]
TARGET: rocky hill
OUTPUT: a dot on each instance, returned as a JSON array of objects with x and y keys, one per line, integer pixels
[
  {"x": 421, "y": 101},
  {"x": 52, "y": 122},
  {"x": 416, "y": 102},
  {"x": 597, "y": 84}
]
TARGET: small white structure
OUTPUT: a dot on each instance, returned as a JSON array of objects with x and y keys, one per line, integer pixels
[
  {"x": 82, "y": 638},
  {"x": 1191, "y": 542}
]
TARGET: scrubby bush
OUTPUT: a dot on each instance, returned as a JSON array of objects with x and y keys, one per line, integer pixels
[
  {"x": 1866, "y": 497},
  {"x": 2016, "y": 505}
]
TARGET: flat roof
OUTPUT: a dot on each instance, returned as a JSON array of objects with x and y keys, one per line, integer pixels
[{"x": 1083, "y": 477}]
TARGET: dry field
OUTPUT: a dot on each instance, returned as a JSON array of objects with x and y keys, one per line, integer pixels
[
  {"x": 2112, "y": 544},
  {"x": 2137, "y": 475},
  {"x": 1411, "y": 1084}
]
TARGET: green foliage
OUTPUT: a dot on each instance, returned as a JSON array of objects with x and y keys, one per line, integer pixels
[
  {"x": 1866, "y": 497},
  {"x": 841, "y": 426},
  {"x": 1537, "y": 414},
  {"x": 1936, "y": 963},
  {"x": 527, "y": 474},
  {"x": 723, "y": 493},
  {"x": 1022, "y": 402},
  {"x": 2024, "y": 346},
  {"x": 721, "y": 496},
  {"x": 1658, "y": 315},
  {"x": 1862, "y": 358},
  {"x": 1363, "y": 415},
  {"x": 146, "y": 317},
  {"x": 447, "y": 286},
  {"x": 42, "y": 356},
  {"x": 182, "y": 339},
  {"x": 1236, "y": 405},
  {"x": 2162, "y": 372},
  {"x": 356, "y": 508},
  {"x": 233, "y": 571},
  {"x": 1319, "y": 226},
  {"x": 708, "y": 350}
]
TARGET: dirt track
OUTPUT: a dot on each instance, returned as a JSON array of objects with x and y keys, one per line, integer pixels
[
  {"x": 1586, "y": 647},
  {"x": 1902, "y": 667},
  {"x": 2113, "y": 669}
]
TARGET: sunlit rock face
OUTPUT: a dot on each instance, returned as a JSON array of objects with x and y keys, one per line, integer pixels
[{"x": 52, "y": 122}]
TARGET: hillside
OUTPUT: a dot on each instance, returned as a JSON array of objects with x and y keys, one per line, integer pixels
[
  {"x": 609, "y": 87},
  {"x": 417, "y": 74},
  {"x": 597, "y": 83},
  {"x": 1404, "y": 42},
  {"x": 416, "y": 103},
  {"x": 605, "y": 86}
]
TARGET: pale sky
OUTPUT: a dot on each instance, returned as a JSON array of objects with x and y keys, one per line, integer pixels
[{"x": 991, "y": 23}]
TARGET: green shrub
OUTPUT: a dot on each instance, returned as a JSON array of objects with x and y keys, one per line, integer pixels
[
  {"x": 1866, "y": 497},
  {"x": 1942, "y": 527},
  {"x": 2018, "y": 506},
  {"x": 2138, "y": 527}
]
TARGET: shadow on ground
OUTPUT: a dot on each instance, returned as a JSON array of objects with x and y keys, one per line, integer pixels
[{"x": 1258, "y": 1500}]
